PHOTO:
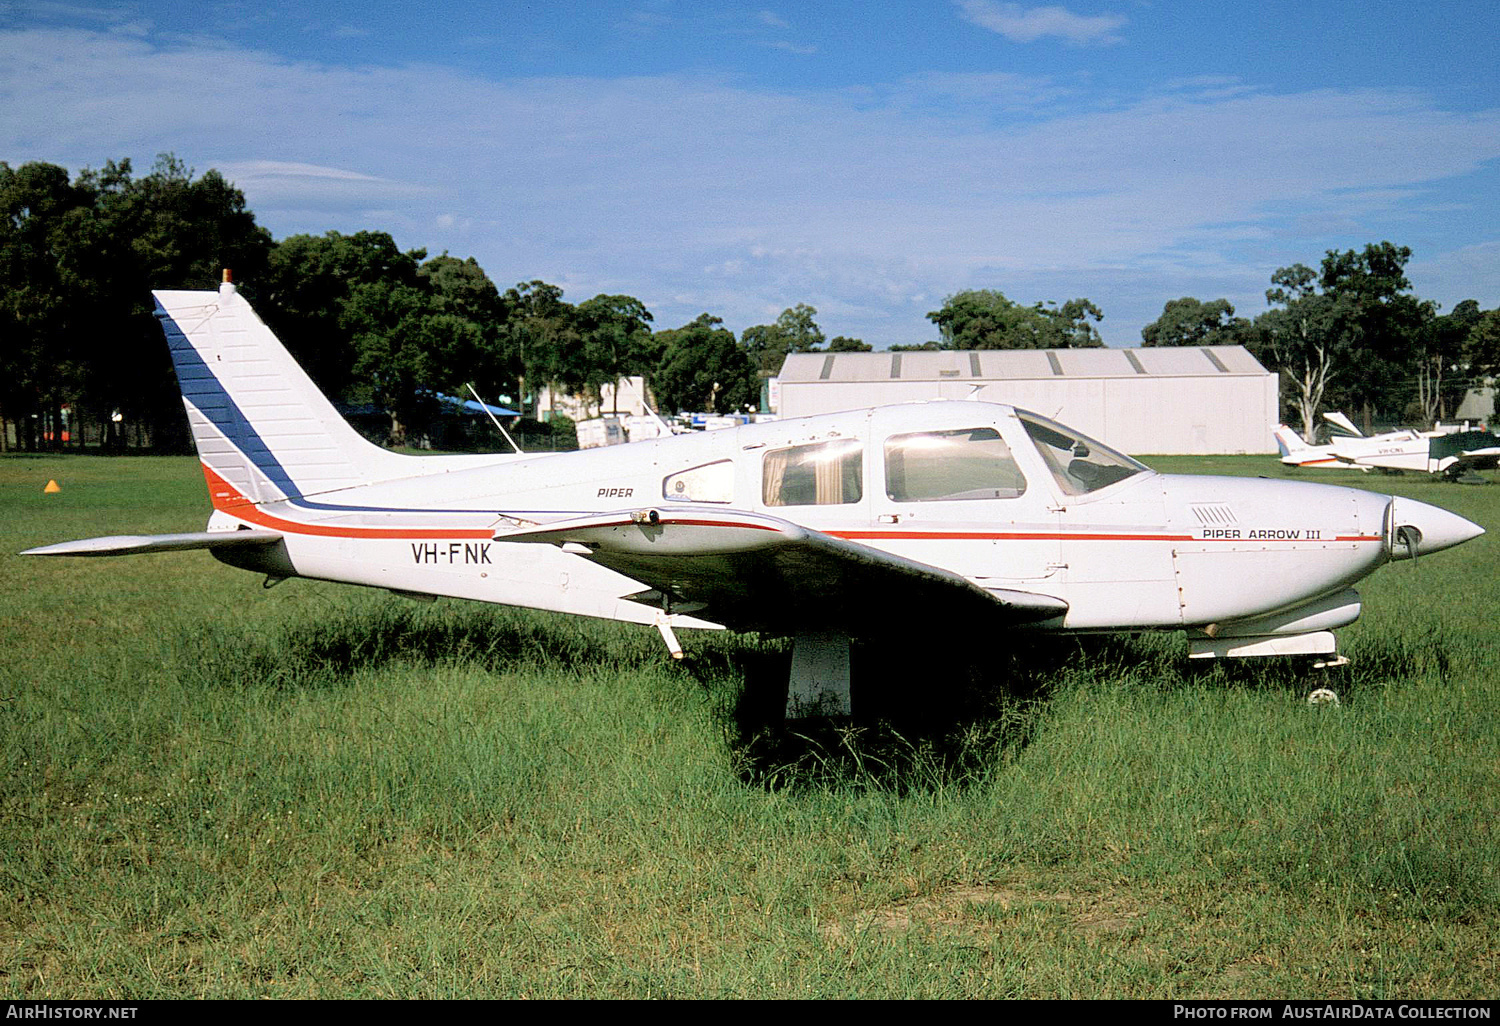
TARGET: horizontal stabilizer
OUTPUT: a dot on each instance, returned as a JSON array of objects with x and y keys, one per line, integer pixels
[{"x": 133, "y": 544}]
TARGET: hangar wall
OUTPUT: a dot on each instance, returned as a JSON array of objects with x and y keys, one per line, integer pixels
[{"x": 1192, "y": 400}]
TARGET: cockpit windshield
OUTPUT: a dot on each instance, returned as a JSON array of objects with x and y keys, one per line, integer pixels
[{"x": 1080, "y": 464}]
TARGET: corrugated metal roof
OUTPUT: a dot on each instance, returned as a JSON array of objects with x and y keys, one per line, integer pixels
[{"x": 1019, "y": 364}]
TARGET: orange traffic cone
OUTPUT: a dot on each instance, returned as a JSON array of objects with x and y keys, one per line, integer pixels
[{"x": 52, "y": 486}]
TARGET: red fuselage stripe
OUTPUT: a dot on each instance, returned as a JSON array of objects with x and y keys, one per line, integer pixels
[
  {"x": 1004, "y": 536},
  {"x": 1061, "y": 536},
  {"x": 228, "y": 499}
]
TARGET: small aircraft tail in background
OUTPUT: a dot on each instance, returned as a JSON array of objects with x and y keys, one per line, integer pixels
[
  {"x": 1295, "y": 452},
  {"x": 1288, "y": 441},
  {"x": 1344, "y": 424}
]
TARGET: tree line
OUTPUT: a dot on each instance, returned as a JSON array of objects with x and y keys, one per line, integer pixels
[
  {"x": 370, "y": 323},
  {"x": 375, "y": 325},
  {"x": 1351, "y": 335}
]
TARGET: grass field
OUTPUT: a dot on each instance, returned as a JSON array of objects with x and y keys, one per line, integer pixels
[{"x": 211, "y": 789}]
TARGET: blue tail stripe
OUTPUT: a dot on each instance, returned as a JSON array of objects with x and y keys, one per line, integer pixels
[{"x": 202, "y": 388}]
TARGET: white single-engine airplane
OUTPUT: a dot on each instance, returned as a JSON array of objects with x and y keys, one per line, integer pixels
[
  {"x": 939, "y": 521},
  {"x": 1453, "y": 452}
]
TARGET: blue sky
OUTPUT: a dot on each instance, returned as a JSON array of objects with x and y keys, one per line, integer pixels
[{"x": 869, "y": 159}]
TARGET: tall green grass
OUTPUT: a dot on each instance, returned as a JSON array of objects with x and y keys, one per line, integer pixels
[{"x": 212, "y": 789}]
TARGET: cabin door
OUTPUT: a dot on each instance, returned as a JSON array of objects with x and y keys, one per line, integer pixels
[{"x": 957, "y": 498}]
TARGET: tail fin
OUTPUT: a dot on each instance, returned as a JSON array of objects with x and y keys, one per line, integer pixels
[
  {"x": 1344, "y": 424},
  {"x": 1287, "y": 440},
  {"x": 258, "y": 421}
]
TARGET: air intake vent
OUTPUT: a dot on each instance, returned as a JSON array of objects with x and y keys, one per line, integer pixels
[{"x": 1215, "y": 514}]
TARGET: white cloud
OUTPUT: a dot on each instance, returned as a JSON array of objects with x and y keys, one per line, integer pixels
[
  {"x": 966, "y": 94},
  {"x": 1027, "y": 25},
  {"x": 856, "y": 202},
  {"x": 283, "y": 184},
  {"x": 260, "y": 171},
  {"x": 1470, "y": 272},
  {"x": 118, "y": 18},
  {"x": 772, "y": 19}
]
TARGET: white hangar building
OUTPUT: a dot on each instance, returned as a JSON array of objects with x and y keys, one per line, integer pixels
[{"x": 1168, "y": 399}]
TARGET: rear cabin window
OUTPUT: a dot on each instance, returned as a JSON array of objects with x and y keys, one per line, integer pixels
[
  {"x": 944, "y": 466},
  {"x": 824, "y": 474},
  {"x": 712, "y": 482}
]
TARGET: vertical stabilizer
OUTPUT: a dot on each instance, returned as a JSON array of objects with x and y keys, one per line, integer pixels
[
  {"x": 1288, "y": 441},
  {"x": 258, "y": 420},
  {"x": 1344, "y": 424}
]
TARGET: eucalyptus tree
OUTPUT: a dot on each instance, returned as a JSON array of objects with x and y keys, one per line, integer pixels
[
  {"x": 306, "y": 294},
  {"x": 702, "y": 367},
  {"x": 1441, "y": 360},
  {"x": 1192, "y": 322},
  {"x": 542, "y": 328},
  {"x": 616, "y": 342},
  {"x": 479, "y": 343},
  {"x": 987, "y": 319},
  {"x": 1348, "y": 330},
  {"x": 78, "y": 262},
  {"x": 1384, "y": 323},
  {"x": 795, "y": 331}
]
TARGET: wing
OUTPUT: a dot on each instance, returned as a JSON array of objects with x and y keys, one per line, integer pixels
[
  {"x": 756, "y": 572},
  {"x": 1485, "y": 456}
]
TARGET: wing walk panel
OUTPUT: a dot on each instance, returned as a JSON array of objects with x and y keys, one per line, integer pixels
[{"x": 756, "y": 572}]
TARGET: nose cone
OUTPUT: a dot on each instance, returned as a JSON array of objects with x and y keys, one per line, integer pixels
[{"x": 1436, "y": 528}]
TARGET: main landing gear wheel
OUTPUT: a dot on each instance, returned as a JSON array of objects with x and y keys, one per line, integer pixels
[{"x": 1327, "y": 672}]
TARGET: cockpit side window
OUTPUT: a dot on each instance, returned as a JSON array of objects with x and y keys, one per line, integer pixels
[
  {"x": 822, "y": 474},
  {"x": 1080, "y": 464},
  {"x": 943, "y": 466},
  {"x": 712, "y": 482}
]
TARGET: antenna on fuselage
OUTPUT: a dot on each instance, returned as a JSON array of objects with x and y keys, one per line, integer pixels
[
  {"x": 485, "y": 406},
  {"x": 659, "y": 422}
]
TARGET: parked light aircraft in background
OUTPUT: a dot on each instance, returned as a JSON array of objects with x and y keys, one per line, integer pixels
[
  {"x": 935, "y": 523},
  {"x": 1342, "y": 425},
  {"x": 1451, "y": 451}
]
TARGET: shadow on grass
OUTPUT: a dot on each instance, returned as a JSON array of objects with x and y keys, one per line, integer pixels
[
  {"x": 942, "y": 719},
  {"x": 928, "y": 719},
  {"x": 327, "y": 652},
  {"x": 1422, "y": 651},
  {"x": 925, "y": 719}
]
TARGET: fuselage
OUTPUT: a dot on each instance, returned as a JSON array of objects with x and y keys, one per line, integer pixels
[{"x": 1002, "y": 497}]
